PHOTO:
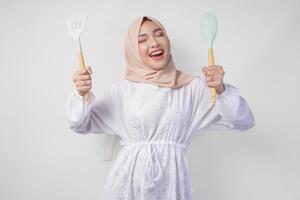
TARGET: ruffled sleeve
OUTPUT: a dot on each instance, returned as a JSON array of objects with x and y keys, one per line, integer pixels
[
  {"x": 100, "y": 116},
  {"x": 231, "y": 111}
]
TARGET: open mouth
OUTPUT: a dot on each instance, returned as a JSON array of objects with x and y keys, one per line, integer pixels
[{"x": 157, "y": 55}]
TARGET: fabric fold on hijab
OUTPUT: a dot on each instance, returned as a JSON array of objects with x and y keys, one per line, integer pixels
[{"x": 168, "y": 76}]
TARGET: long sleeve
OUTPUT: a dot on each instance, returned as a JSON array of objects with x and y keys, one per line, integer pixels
[
  {"x": 231, "y": 111},
  {"x": 100, "y": 116}
]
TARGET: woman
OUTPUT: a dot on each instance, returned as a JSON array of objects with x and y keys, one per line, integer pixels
[{"x": 155, "y": 110}]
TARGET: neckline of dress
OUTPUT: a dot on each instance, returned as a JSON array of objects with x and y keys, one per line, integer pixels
[
  {"x": 156, "y": 87},
  {"x": 149, "y": 85},
  {"x": 152, "y": 86}
]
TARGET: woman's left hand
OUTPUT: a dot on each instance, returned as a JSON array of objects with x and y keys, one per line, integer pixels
[{"x": 214, "y": 76}]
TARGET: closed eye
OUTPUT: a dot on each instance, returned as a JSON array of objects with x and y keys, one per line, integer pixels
[
  {"x": 157, "y": 35},
  {"x": 160, "y": 33}
]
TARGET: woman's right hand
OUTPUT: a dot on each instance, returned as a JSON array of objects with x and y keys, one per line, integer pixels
[{"x": 83, "y": 80}]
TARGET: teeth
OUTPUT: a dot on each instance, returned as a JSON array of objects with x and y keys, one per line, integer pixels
[{"x": 156, "y": 53}]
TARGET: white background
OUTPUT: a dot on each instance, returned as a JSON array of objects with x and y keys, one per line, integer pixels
[{"x": 257, "y": 44}]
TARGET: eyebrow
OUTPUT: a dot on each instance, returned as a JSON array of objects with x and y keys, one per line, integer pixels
[{"x": 155, "y": 30}]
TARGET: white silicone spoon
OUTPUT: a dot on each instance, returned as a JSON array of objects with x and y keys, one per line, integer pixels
[{"x": 209, "y": 32}]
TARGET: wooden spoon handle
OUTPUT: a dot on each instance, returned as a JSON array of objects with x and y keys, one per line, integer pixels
[
  {"x": 87, "y": 96},
  {"x": 211, "y": 61}
]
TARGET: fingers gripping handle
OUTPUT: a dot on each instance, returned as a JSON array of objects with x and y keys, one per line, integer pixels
[
  {"x": 211, "y": 61},
  {"x": 87, "y": 96}
]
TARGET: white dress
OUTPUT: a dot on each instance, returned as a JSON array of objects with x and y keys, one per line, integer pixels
[{"x": 156, "y": 125}]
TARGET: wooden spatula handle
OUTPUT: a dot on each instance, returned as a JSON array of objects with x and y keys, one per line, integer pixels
[
  {"x": 87, "y": 96},
  {"x": 211, "y": 61}
]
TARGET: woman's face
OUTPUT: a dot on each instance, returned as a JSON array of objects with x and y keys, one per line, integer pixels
[{"x": 154, "y": 46}]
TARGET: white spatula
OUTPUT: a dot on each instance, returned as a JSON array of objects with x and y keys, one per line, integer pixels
[{"x": 76, "y": 25}]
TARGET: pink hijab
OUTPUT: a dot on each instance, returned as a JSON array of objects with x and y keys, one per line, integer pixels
[{"x": 136, "y": 71}]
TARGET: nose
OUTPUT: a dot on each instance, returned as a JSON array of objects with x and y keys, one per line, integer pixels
[{"x": 153, "y": 42}]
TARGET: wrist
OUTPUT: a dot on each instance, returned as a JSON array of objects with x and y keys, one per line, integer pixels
[{"x": 220, "y": 89}]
